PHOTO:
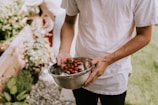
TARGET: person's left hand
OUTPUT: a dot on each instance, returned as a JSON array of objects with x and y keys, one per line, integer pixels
[{"x": 99, "y": 69}]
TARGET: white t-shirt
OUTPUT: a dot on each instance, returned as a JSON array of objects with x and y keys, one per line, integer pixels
[{"x": 103, "y": 27}]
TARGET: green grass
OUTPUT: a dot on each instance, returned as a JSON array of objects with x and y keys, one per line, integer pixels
[{"x": 143, "y": 83}]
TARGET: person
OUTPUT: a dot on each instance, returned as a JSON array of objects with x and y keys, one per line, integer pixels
[{"x": 109, "y": 32}]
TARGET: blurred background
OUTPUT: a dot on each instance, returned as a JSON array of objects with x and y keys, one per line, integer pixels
[{"x": 142, "y": 88}]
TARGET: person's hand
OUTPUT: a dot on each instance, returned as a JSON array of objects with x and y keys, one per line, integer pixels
[
  {"x": 61, "y": 58},
  {"x": 99, "y": 69}
]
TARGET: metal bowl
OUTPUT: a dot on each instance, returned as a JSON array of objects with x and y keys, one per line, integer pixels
[{"x": 71, "y": 81}]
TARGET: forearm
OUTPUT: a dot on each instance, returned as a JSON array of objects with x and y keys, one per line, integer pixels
[
  {"x": 139, "y": 41},
  {"x": 67, "y": 35}
]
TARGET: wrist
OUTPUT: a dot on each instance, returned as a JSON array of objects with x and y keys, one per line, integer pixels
[
  {"x": 64, "y": 51},
  {"x": 109, "y": 59}
]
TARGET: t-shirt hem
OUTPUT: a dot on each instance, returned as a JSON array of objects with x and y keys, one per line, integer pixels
[
  {"x": 116, "y": 92},
  {"x": 71, "y": 14},
  {"x": 147, "y": 24}
]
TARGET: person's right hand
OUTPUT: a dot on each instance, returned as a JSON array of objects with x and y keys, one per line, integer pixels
[{"x": 61, "y": 58}]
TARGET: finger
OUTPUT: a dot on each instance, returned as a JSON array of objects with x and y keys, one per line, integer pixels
[{"x": 93, "y": 76}]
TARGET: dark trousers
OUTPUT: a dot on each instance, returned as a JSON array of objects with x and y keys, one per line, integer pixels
[{"x": 85, "y": 97}]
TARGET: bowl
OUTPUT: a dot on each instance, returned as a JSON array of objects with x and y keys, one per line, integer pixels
[{"x": 72, "y": 81}]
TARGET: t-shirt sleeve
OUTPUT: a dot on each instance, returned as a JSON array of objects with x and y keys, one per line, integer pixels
[
  {"x": 71, "y": 7},
  {"x": 145, "y": 13}
]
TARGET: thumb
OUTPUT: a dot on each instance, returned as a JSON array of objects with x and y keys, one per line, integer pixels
[
  {"x": 58, "y": 61},
  {"x": 94, "y": 61}
]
